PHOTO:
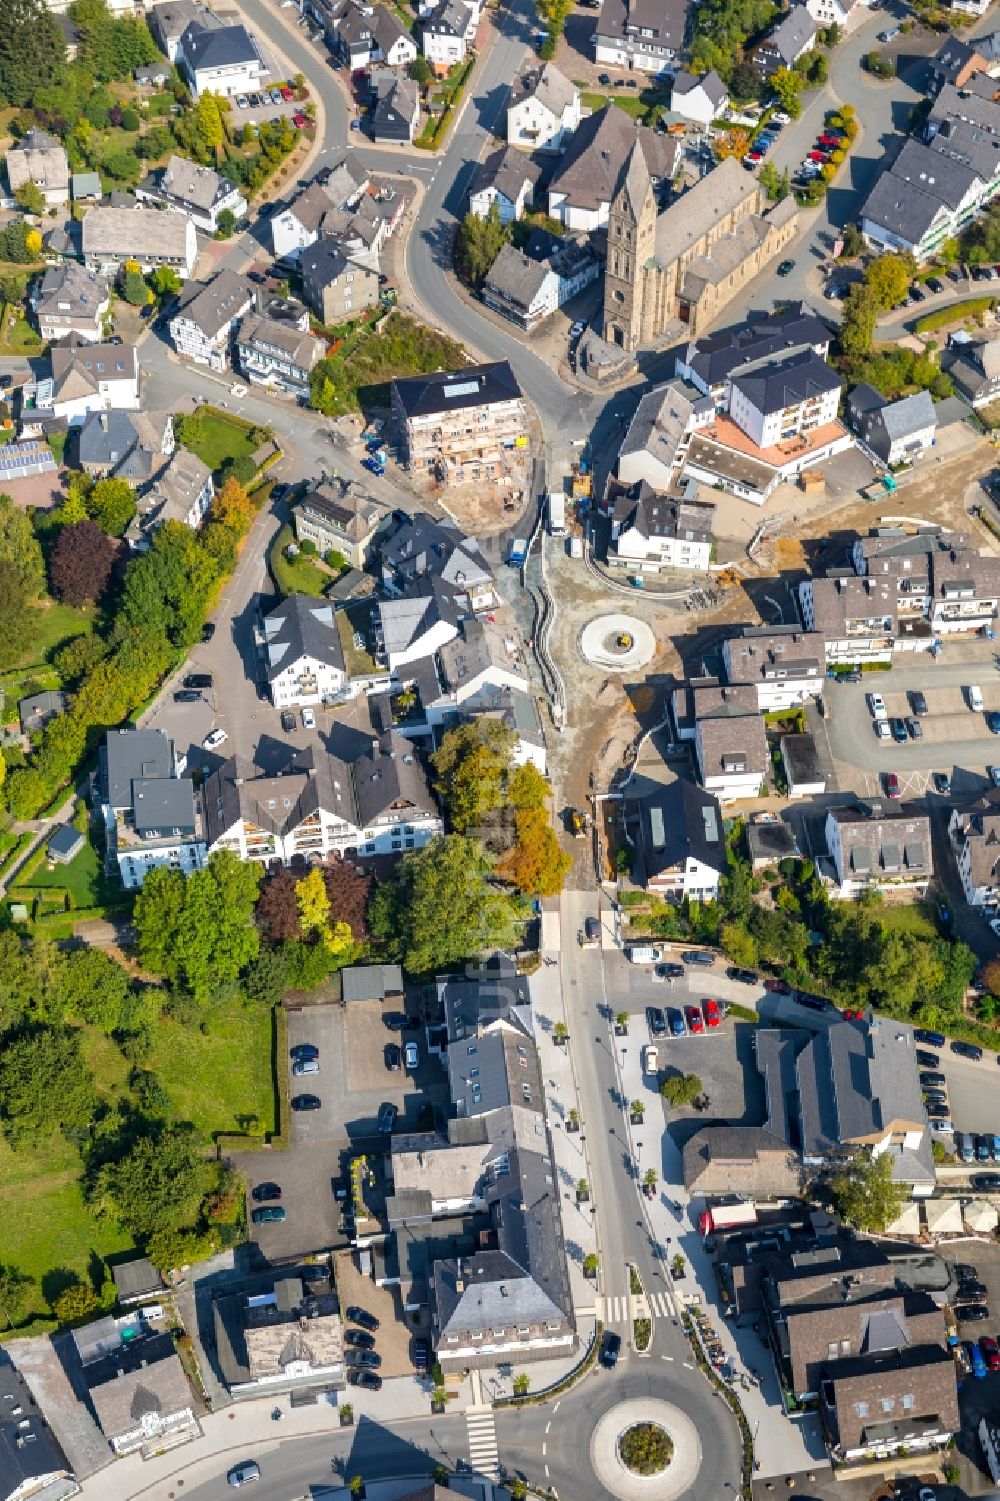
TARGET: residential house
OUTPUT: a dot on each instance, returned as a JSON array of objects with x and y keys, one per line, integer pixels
[
  {"x": 131, "y": 445},
  {"x": 273, "y": 353},
  {"x": 506, "y": 178},
  {"x": 975, "y": 370},
  {"x": 646, "y": 35},
  {"x": 417, "y": 623},
  {"x": 87, "y": 378},
  {"x": 955, "y": 62},
  {"x": 334, "y": 284},
  {"x": 338, "y": 515},
  {"x": 283, "y": 1339},
  {"x": 445, "y": 34},
  {"x": 423, "y": 548},
  {"x": 897, "y": 432},
  {"x": 220, "y": 60},
  {"x": 840, "y": 13},
  {"x": 792, "y": 38},
  {"x": 151, "y": 817},
  {"x": 709, "y": 364},
  {"x": 71, "y": 300},
  {"x": 770, "y": 841},
  {"x": 303, "y": 653},
  {"x": 785, "y": 665},
  {"x": 319, "y": 806},
  {"x": 877, "y": 848},
  {"x": 153, "y": 76},
  {"x": 395, "y": 109},
  {"x": 527, "y": 286},
  {"x": 136, "y": 1385},
  {"x": 169, "y": 20},
  {"x": 700, "y": 100},
  {"x": 803, "y": 768},
  {"x": 86, "y": 187},
  {"x": 462, "y": 424},
  {"x": 499, "y": 1287},
  {"x": 152, "y": 237},
  {"x": 586, "y": 177},
  {"x": 205, "y": 316},
  {"x": 681, "y": 841},
  {"x": 469, "y": 674},
  {"x": 975, "y": 839},
  {"x": 181, "y": 490},
  {"x": 750, "y": 1159},
  {"x": 731, "y": 748},
  {"x": 651, "y": 531},
  {"x": 857, "y": 616},
  {"x": 373, "y": 35},
  {"x": 32, "y": 1463},
  {"x": 200, "y": 192},
  {"x": 301, "y": 223},
  {"x": 657, "y": 439},
  {"x": 544, "y": 109},
  {"x": 781, "y": 398},
  {"x": 39, "y": 709},
  {"x": 40, "y": 160},
  {"x": 902, "y": 1397},
  {"x": 138, "y": 1281}
]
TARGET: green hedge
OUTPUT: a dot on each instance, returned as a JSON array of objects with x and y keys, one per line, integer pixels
[
  {"x": 280, "y": 1140},
  {"x": 24, "y": 842},
  {"x": 973, "y": 307}
]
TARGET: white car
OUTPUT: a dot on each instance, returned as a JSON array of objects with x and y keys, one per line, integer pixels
[
  {"x": 882, "y": 730},
  {"x": 411, "y": 1055},
  {"x": 577, "y": 329},
  {"x": 975, "y": 699},
  {"x": 238, "y": 389},
  {"x": 308, "y": 719},
  {"x": 214, "y": 738},
  {"x": 876, "y": 706},
  {"x": 781, "y": 118},
  {"x": 242, "y": 101}
]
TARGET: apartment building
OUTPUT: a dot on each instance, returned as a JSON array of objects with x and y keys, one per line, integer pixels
[
  {"x": 273, "y": 352},
  {"x": 786, "y": 666},
  {"x": 710, "y": 364},
  {"x": 201, "y": 327},
  {"x": 646, "y": 35},
  {"x": 656, "y": 442},
  {"x": 460, "y": 425},
  {"x": 86, "y": 378},
  {"x": 303, "y": 652},
  {"x": 681, "y": 842},
  {"x": 544, "y": 109},
  {"x": 288, "y": 1337},
  {"x": 777, "y": 400},
  {"x": 506, "y": 181},
  {"x": 527, "y": 286},
  {"x": 651, "y": 531},
  {"x": 338, "y": 515},
  {"x": 220, "y": 60},
  {"x": 70, "y": 300},
  {"x": 337, "y": 284},
  {"x": 152, "y": 237},
  {"x": 876, "y": 848},
  {"x": 856, "y": 616},
  {"x": 731, "y": 749},
  {"x": 975, "y": 840},
  {"x": 151, "y": 816}
]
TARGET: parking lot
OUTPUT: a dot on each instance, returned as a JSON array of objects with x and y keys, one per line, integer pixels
[{"x": 394, "y": 1339}]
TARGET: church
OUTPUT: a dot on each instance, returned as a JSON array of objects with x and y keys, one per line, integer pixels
[{"x": 690, "y": 261}]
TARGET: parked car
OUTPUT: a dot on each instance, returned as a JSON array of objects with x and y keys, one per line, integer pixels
[
  {"x": 743, "y": 976},
  {"x": 592, "y": 929},
  {"x": 694, "y": 1018},
  {"x": 675, "y": 1020},
  {"x": 992, "y": 721},
  {"x": 208, "y": 631},
  {"x": 421, "y": 1354},
  {"x": 308, "y": 719},
  {"x": 368, "y": 1360},
  {"x": 411, "y": 1056},
  {"x": 927, "y": 1060},
  {"x": 214, "y": 738},
  {"x": 785, "y": 268},
  {"x": 713, "y": 1017},
  {"x": 248, "y": 1469},
  {"x": 303, "y": 1066},
  {"x": 991, "y": 1351},
  {"x": 307, "y": 1102},
  {"x": 993, "y": 772},
  {"x": 917, "y": 702},
  {"x": 995, "y": 1144},
  {"x": 971, "y": 1313},
  {"x": 876, "y": 706},
  {"x": 986, "y": 1183},
  {"x": 778, "y": 987},
  {"x": 198, "y": 680},
  {"x": 186, "y": 696},
  {"x": 370, "y": 1380},
  {"x": 891, "y": 785},
  {"x": 669, "y": 972},
  {"x": 392, "y": 1056},
  {"x": 932, "y": 1039},
  {"x": 882, "y": 730},
  {"x": 287, "y": 721},
  {"x": 935, "y": 1096},
  {"x": 361, "y": 1316},
  {"x": 304, "y": 1050},
  {"x": 937, "y": 1112},
  {"x": 853, "y": 1015},
  {"x": 934, "y": 285},
  {"x": 914, "y": 728},
  {"x": 933, "y": 1077},
  {"x": 271, "y": 1214},
  {"x": 898, "y": 728},
  {"x": 983, "y": 1153},
  {"x": 656, "y": 1021},
  {"x": 889, "y": 35},
  {"x": 698, "y": 956},
  {"x": 359, "y": 1338},
  {"x": 967, "y": 1050},
  {"x": 966, "y": 1148},
  {"x": 387, "y": 1117},
  {"x": 611, "y": 1348},
  {"x": 942, "y": 783},
  {"x": 974, "y": 1292},
  {"x": 977, "y": 1362},
  {"x": 264, "y": 1193},
  {"x": 578, "y": 328}
]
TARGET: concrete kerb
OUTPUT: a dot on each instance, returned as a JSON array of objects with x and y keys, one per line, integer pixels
[{"x": 624, "y": 1483}]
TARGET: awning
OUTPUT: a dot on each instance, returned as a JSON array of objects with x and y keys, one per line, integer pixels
[
  {"x": 980, "y": 1216},
  {"x": 908, "y": 1221},
  {"x": 944, "y": 1216}
]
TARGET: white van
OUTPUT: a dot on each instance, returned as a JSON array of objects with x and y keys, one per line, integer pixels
[
  {"x": 976, "y": 699},
  {"x": 642, "y": 953}
]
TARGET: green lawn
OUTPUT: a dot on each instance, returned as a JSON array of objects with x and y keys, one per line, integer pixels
[
  {"x": 218, "y": 1078},
  {"x": 17, "y": 336},
  {"x": 299, "y": 575},
  {"x": 917, "y": 919},
  {"x": 220, "y": 438},
  {"x": 54, "y": 625},
  {"x": 356, "y": 618},
  {"x": 83, "y": 878}
]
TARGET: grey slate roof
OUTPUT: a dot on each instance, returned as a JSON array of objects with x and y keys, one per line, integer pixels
[
  {"x": 128, "y": 756},
  {"x": 453, "y": 390},
  {"x": 911, "y": 414},
  {"x": 894, "y": 840},
  {"x": 450, "y": 18},
  {"x": 506, "y": 170},
  {"x": 218, "y": 46},
  {"x": 660, "y": 420},
  {"x": 782, "y": 382},
  {"x": 417, "y": 610},
  {"x": 211, "y": 305},
  {"x": 301, "y": 626},
  {"x": 163, "y": 804},
  {"x": 110, "y": 438},
  {"x": 681, "y": 821},
  {"x": 423, "y": 547},
  {"x": 665, "y": 21},
  {"x": 142, "y": 231},
  {"x": 546, "y": 85},
  {"x": 650, "y": 514},
  {"x": 714, "y": 359},
  {"x": 189, "y": 182},
  {"x": 792, "y": 34},
  {"x": 588, "y": 171},
  {"x": 390, "y": 776},
  {"x": 687, "y": 83},
  {"x": 723, "y": 191},
  {"x": 370, "y": 982},
  {"x": 515, "y": 277}
]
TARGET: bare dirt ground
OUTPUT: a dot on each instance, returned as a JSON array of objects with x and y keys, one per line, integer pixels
[{"x": 42, "y": 491}]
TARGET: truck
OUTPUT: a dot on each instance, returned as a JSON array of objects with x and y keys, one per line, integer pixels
[
  {"x": 727, "y": 1217},
  {"x": 557, "y": 513},
  {"x": 880, "y": 488},
  {"x": 518, "y": 552},
  {"x": 576, "y": 547}
]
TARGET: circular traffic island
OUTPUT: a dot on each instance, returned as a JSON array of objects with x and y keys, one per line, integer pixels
[
  {"x": 617, "y": 643},
  {"x": 645, "y": 1449}
]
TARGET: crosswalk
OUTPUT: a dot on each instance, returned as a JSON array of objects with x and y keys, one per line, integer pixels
[
  {"x": 483, "y": 1453},
  {"x": 621, "y": 1310}
]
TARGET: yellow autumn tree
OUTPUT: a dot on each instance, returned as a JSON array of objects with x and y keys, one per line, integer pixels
[
  {"x": 232, "y": 506},
  {"x": 314, "y": 915}
]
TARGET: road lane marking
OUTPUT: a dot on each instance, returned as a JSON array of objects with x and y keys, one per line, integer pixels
[
  {"x": 545, "y": 1448},
  {"x": 666, "y": 1357},
  {"x": 548, "y": 1425},
  {"x": 558, "y": 1405},
  {"x": 688, "y": 1366}
]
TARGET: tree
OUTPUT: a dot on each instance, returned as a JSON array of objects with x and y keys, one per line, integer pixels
[
  {"x": 865, "y": 1194},
  {"x": 19, "y": 546},
  {"x": 208, "y": 120},
  {"x": 536, "y": 865},
  {"x": 857, "y": 328},
  {"x": 159, "y": 1184},
  {"x": 746, "y": 83},
  {"x": 199, "y": 932},
  {"x": 31, "y": 198},
  {"x": 420, "y": 71},
  {"x": 888, "y": 278},
  {"x": 134, "y": 289},
  {"x": 17, "y": 1297},
  {"x": 93, "y": 988},
  {"x": 348, "y": 892},
  {"x": 526, "y": 787},
  {"x": 232, "y": 506},
  {"x": 31, "y": 51},
  {"x": 81, "y": 563},
  {"x": 314, "y": 916},
  {"x": 17, "y": 617},
  {"x": 165, "y": 281},
  {"x": 225, "y": 223},
  {"x": 472, "y": 763},
  {"x": 111, "y": 503},
  {"x": 738, "y": 944},
  {"x": 478, "y": 243},
  {"x": 168, "y": 588},
  {"x": 786, "y": 83},
  {"x": 277, "y": 912},
  {"x": 521, "y": 1384},
  {"x": 441, "y": 907},
  {"x": 45, "y": 1084},
  {"x": 680, "y": 1089},
  {"x": 734, "y": 142},
  {"x": 854, "y": 243},
  {"x": 77, "y": 1301}
]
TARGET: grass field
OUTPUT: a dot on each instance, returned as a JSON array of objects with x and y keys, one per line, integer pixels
[
  {"x": 220, "y": 438},
  {"x": 296, "y": 575},
  {"x": 83, "y": 878},
  {"x": 917, "y": 919},
  {"x": 356, "y": 618},
  {"x": 217, "y": 1079}
]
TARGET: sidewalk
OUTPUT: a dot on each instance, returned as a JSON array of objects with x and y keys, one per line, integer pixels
[
  {"x": 246, "y": 1430},
  {"x": 781, "y": 1445}
]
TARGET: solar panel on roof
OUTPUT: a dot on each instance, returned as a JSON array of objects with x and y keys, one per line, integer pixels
[{"x": 464, "y": 388}]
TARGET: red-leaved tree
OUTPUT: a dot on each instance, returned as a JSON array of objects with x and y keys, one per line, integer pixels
[{"x": 81, "y": 564}]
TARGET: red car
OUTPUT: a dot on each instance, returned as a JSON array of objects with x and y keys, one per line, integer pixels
[
  {"x": 711, "y": 1010},
  {"x": 695, "y": 1020},
  {"x": 816, "y": 156},
  {"x": 778, "y": 987},
  {"x": 298, "y": 121},
  {"x": 829, "y": 141},
  {"x": 991, "y": 1352},
  {"x": 853, "y": 1016},
  {"x": 286, "y": 93},
  {"x": 891, "y": 784}
]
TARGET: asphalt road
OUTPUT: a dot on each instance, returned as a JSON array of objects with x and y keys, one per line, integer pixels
[{"x": 954, "y": 736}]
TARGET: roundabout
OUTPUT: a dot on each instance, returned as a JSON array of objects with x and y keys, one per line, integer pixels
[
  {"x": 617, "y": 643},
  {"x": 645, "y": 1447}
]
